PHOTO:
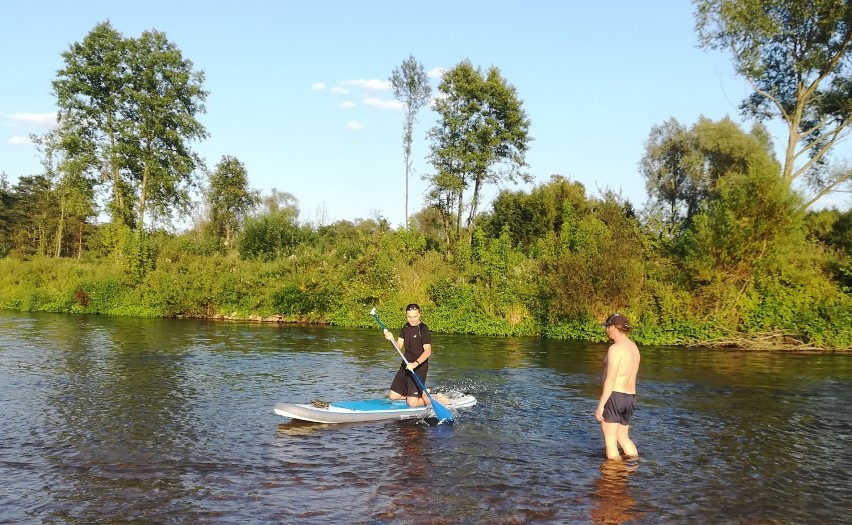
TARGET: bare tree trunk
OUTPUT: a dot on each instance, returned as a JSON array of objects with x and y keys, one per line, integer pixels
[
  {"x": 80, "y": 241},
  {"x": 59, "y": 229},
  {"x": 474, "y": 204}
]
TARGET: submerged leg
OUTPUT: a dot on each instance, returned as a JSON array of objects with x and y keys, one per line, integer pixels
[
  {"x": 610, "y": 434},
  {"x": 624, "y": 440}
]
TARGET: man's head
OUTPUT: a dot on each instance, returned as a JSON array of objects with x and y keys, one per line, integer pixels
[
  {"x": 412, "y": 313},
  {"x": 618, "y": 321}
]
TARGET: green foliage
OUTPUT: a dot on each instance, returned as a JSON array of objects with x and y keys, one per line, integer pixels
[
  {"x": 597, "y": 264},
  {"x": 305, "y": 302},
  {"x": 270, "y": 236},
  {"x": 482, "y": 138},
  {"x": 683, "y": 167},
  {"x": 127, "y": 112},
  {"x": 795, "y": 55},
  {"x": 229, "y": 198},
  {"x": 751, "y": 230},
  {"x": 833, "y": 229}
]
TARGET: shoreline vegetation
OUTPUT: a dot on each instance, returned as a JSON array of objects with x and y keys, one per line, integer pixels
[{"x": 335, "y": 274}]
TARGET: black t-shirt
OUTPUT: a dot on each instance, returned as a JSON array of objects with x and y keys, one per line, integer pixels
[{"x": 413, "y": 338}]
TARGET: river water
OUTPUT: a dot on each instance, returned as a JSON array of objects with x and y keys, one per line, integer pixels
[{"x": 114, "y": 420}]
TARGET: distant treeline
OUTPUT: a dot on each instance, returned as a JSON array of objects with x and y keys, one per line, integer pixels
[{"x": 551, "y": 262}]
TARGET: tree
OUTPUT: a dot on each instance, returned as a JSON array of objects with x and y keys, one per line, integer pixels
[
  {"x": 126, "y": 111},
  {"x": 164, "y": 96},
  {"x": 683, "y": 167},
  {"x": 230, "y": 198},
  {"x": 33, "y": 214},
  {"x": 482, "y": 138},
  {"x": 6, "y": 224},
  {"x": 411, "y": 88},
  {"x": 596, "y": 263},
  {"x": 273, "y": 231},
  {"x": 89, "y": 91},
  {"x": 752, "y": 229},
  {"x": 532, "y": 217},
  {"x": 73, "y": 194},
  {"x": 796, "y": 56}
]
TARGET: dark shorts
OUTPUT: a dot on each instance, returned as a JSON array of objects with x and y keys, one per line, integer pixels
[
  {"x": 619, "y": 407},
  {"x": 405, "y": 385}
]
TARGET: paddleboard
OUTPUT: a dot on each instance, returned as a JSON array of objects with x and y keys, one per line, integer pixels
[{"x": 361, "y": 411}]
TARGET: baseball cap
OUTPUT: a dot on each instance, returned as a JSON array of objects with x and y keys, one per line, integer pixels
[{"x": 617, "y": 320}]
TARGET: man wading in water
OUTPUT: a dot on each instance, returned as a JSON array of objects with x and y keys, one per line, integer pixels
[{"x": 618, "y": 382}]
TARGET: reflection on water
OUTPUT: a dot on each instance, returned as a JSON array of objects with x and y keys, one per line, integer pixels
[
  {"x": 614, "y": 501},
  {"x": 153, "y": 421}
]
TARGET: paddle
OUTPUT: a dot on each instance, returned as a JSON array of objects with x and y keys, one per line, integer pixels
[{"x": 441, "y": 411}]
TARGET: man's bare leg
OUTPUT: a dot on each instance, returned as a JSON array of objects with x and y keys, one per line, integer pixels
[
  {"x": 624, "y": 440},
  {"x": 610, "y": 434}
]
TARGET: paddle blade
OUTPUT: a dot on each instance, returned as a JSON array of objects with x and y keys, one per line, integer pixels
[{"x": 441, "y": 412}]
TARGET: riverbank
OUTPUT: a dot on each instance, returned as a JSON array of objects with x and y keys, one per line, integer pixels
[{"x": 291, "y": 291}]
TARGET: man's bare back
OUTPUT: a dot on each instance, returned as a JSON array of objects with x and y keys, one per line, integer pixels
[{"x": 625, "y": 356}]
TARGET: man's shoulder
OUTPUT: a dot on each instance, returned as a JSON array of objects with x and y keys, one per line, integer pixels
[{"x": 623, "y": 347}]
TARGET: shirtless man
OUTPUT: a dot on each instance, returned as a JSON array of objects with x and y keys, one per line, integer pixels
[{"x": 618, "y": 382}]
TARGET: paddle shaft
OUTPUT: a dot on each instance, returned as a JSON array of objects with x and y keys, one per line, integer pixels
[{"x": 440, "y": 410}]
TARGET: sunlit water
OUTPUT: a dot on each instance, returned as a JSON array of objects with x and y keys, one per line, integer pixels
[{"x": 111, "y": 420}]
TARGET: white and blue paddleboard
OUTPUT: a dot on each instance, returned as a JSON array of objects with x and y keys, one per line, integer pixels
[{"x": 360, "y": 411}]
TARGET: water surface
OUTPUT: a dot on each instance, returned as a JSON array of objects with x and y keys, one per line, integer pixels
[{"x": 106, "y": 420}]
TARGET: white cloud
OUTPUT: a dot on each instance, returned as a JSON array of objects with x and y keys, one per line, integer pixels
[
  {"x": 318, "y": 86},
  {"x": 346, "y": 105},
  {"x": 354, "y": 125},
  {"x": 19, "y": 140},
  {"x": 437, "y": 72},
  {"x": 373, "y": 84},
  {"x": 22, "y": 118},
  {"x": 382, "y": 104},
  {"x": 340, "y": 90}
]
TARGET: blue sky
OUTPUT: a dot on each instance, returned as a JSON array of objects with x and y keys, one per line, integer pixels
[{"x": 299, "y": 90}]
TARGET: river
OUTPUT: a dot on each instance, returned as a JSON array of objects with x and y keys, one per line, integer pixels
[{"x": 117, "y": 420}]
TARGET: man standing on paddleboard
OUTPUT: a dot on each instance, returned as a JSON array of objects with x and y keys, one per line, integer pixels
[
  {"x": 416, "y": 339},
  {"x": 618, "y": 381}
]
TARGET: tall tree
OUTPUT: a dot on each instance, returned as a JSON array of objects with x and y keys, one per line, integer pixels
[
  {"x": 411, "y": 88},
  {"x": 230, "y": 197},
  {"x": 482, "y": 138},
  {"x": 7, "y": 222},
  {"x": 796, "y": 56},
  {"x": 127, "y": 110},
  {"x": 164, "y": 95},
  {"x": 89, "y": 92}
]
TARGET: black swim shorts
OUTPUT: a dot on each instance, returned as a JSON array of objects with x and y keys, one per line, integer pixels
[
  {"x": 619, "y": 407},
  {"x": 405, "y": 385}
]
